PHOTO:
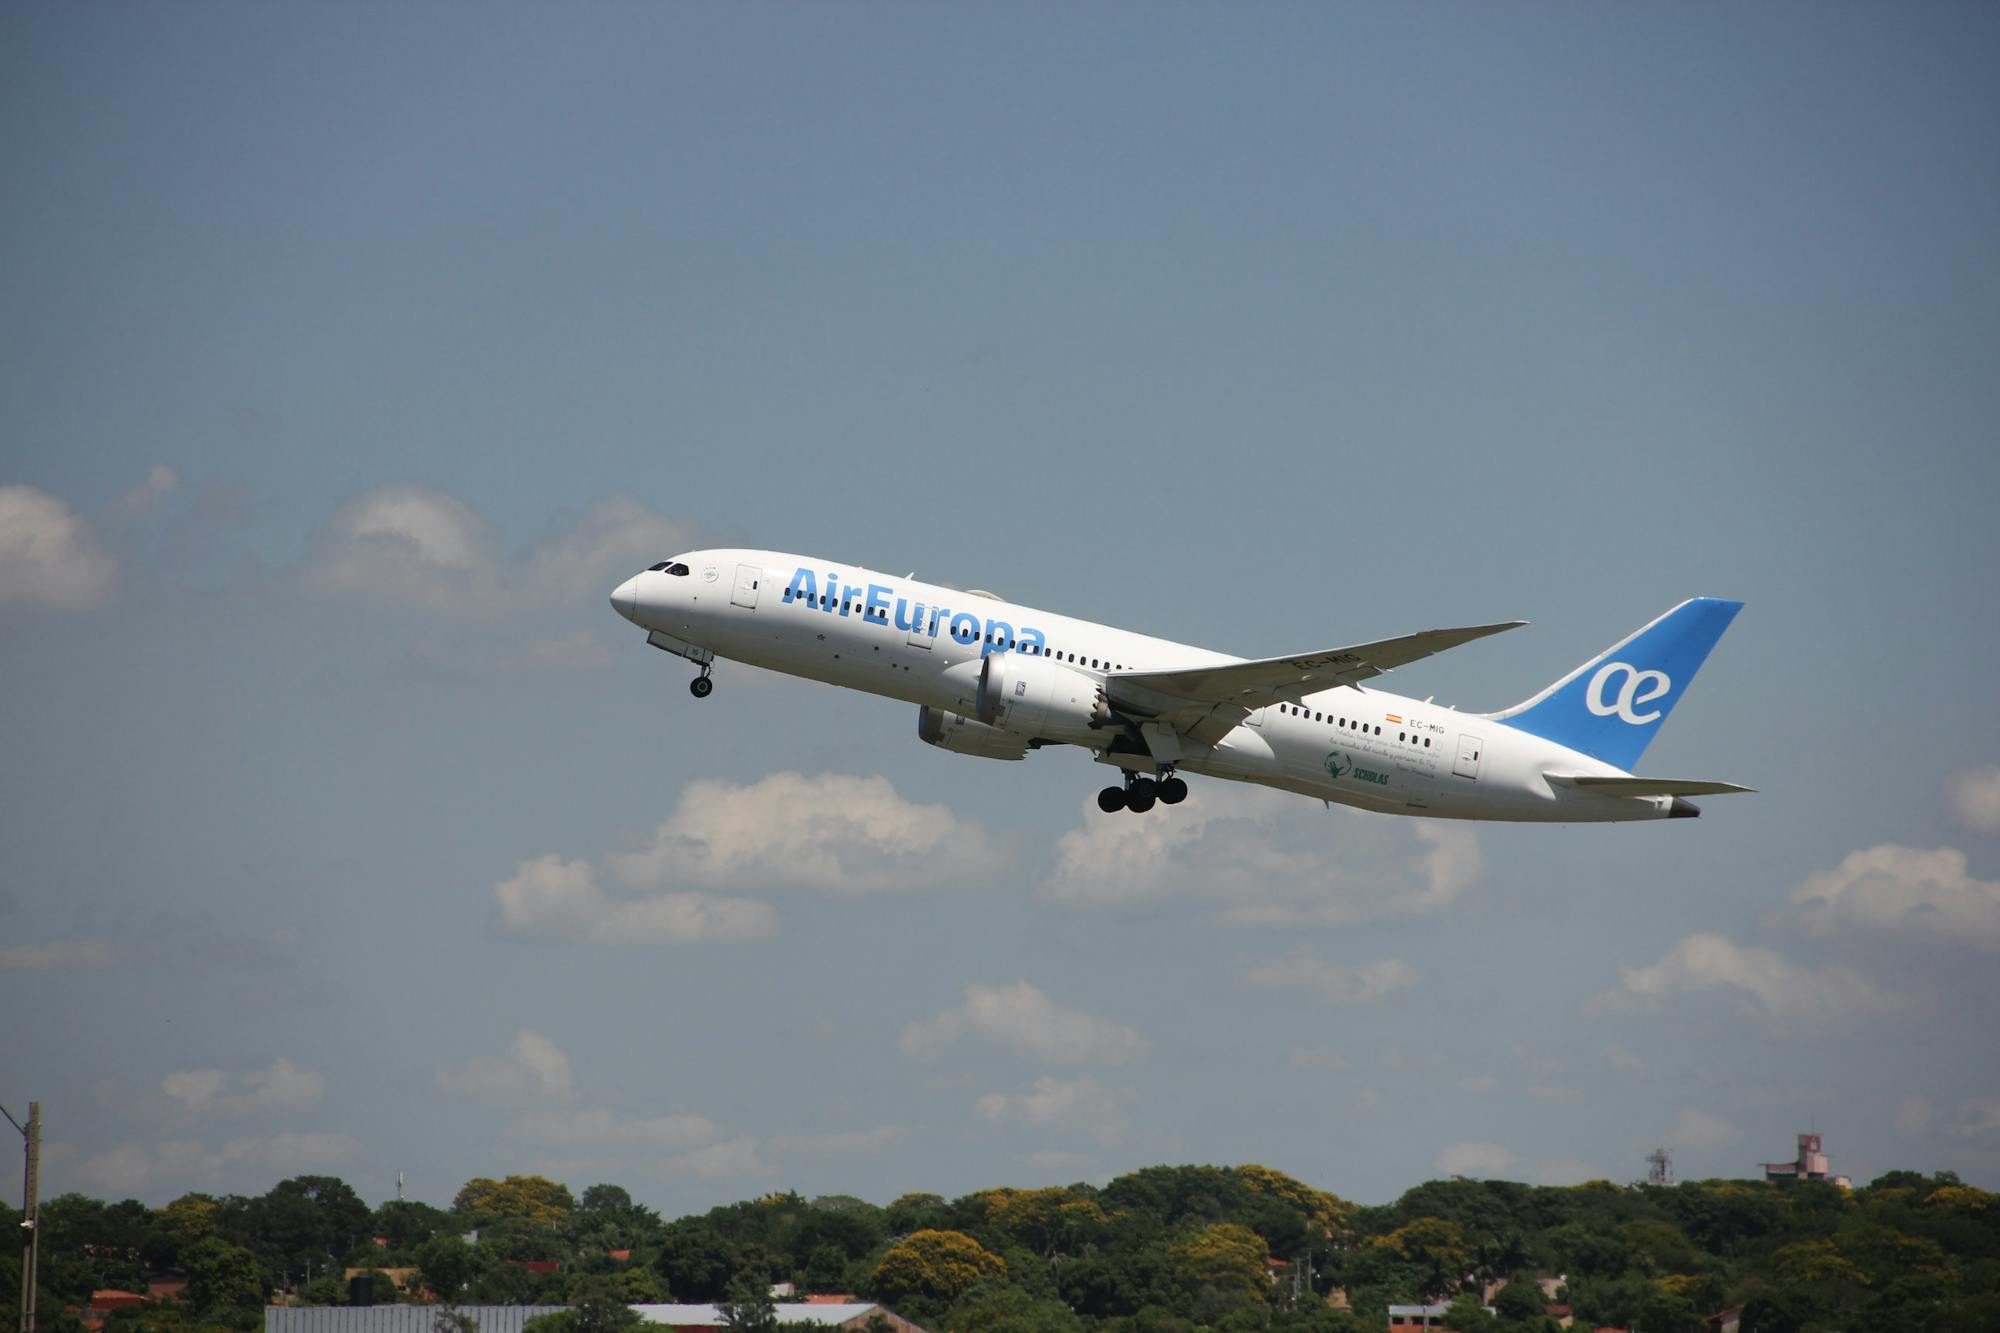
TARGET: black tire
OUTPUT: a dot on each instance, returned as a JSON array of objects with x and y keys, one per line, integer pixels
[
  {"x": 701, "y": 687},
  {"x": 1139, "y": 799},
  {"x": 1111, "y": 800},
  {"x": 1173, "y": 791}
]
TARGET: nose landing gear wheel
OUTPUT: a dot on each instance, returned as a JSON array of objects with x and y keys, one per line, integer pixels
[
  {"x": 1173, "y": 791},
  {"x": 701, "y": 687},
  {"x": 1111, "y": 800}
]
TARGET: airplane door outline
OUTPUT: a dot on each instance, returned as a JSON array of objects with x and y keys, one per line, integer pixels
[
  {"x": 745, "y": 592},
  {"x": 919, "y": 637},
  {"x": 1468, "y": 757}
]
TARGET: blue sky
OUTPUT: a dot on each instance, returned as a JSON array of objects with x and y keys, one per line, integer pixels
[{"x": 353, "y": 353}]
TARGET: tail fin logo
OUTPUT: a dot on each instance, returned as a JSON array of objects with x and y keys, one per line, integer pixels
[{"x": 1637, "y": 688}]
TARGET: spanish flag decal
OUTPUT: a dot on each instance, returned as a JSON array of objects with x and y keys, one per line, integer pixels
[{"x": 1392, "y": 717}]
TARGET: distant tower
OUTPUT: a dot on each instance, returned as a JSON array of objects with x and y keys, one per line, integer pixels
[
  {"x": 1659, "y": 1167},
  {"x": 399, "y": 1185}
]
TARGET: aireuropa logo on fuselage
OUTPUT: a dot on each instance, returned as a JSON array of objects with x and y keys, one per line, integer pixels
[
  {"x": 1637, "y": 688},
  {"x": 874, "y": 604}
]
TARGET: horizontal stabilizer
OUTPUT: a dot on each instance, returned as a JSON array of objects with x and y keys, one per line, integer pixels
[{"x": 1646, "y": 786}]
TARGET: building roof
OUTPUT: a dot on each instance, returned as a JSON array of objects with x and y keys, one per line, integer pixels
[{"x": 788, "y": 1313}]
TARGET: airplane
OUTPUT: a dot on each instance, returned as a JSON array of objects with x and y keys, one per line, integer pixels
[{"x": 997, "y": 680}]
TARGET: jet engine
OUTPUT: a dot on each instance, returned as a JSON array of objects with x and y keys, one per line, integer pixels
[
  {"x": 963, "y": 735},
  {"x": 1033, "y": 696}
]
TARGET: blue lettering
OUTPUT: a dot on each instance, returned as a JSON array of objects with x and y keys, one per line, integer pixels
[
  {"x": 877, "y": 609},
  {"x": 803, "y": 588},
  {"x": 1032, "y": 642},
  {"x": 998, "y": 632},
  {"x": 965, "y": 627},
  {"x": 907, "y": 619},
  {"x": 832, "y": 591},
  {"x": 938, "y": 617}
]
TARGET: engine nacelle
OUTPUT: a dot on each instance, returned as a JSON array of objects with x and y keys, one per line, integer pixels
[
  {"x": 963, "y": 735},
  {"x": 1034, "y": 696}
]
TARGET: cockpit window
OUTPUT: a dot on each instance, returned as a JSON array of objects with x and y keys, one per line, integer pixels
[
  {"x": 655, "y": 569},
  {"x": 668, "y": 567},
  {"x": 678, "y": 570}
]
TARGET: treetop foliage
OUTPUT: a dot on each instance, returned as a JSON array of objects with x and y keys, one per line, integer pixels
[{"x": 1166, "y": 1249}]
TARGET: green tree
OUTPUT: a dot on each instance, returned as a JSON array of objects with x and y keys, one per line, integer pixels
[
  {"x": 532, "y": 1199},
  {"x": 222, "y": 1279},
  {"x": 448, "y": 1266},
  {"x": 749, "y": 1305},
  {"x": 999, "y": 1307},
  {"x": 936, "y": 1265},
  {"x": 1466, "y": 1315},
  {"x": 602, "y": 1310}
]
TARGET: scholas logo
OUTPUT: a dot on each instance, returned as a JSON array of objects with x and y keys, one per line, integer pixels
[
  {"x": 1339, "y": 765},
  {"x": 878, "y": 604}
]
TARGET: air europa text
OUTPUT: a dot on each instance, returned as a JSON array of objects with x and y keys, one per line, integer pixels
[{"x": 878, "y": 603}]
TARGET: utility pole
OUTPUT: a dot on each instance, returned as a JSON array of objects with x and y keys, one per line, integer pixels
[{"x": 31, "y": 1137}]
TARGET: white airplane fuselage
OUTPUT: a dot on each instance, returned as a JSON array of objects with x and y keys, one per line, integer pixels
[{"x": 928, "y": 645}]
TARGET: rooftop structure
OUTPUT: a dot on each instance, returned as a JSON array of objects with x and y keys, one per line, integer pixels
[{"x": 1812, "y": 1164}]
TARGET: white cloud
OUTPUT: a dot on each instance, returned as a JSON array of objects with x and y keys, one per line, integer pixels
[
  {"x": 215, "y": 1093},
  {"x": 1698, "y": 1131},
  {"x": 1263, "y": 858},
  {"x": 1077, "y": 1106},
  {"x": 1903, "y": 889},
  {"x": 57, "y": 955},
  {"x": 534, "y": 1070},
  {"x": 49, "y": 557},
  {"x": 1979, "y": 1120},
  {"x": 598, "y": 1129},
  {"x": 1316, "y": 1057},
  {"x": 1023, "y": 1019},
  {"x": 142, "y": 499},
  {"x": 1481, "y": 1161},
  {"x": 1620, "y": 1058},
  {"x": 1771, "y": 987},
  {"x": 1974, "y": 796},
  {"x": 550, "y": 898},
  {"x": 1490, "y": 1161},
  {"x": 718, "y": 1161},
  {"x": 833, "y": 833},
  {"x": 1913, "y": 1117},
  {"x": 415, "y": 547},
  {"x": 847, "y": 1143},
  {"x": 1336, "y": 983},
  {"x": 174, "y": 1166}
]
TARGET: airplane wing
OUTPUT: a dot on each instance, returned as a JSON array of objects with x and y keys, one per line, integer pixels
[
  {"x": 1646, "y": 786},
  {"x": 1230, "y": 691}
]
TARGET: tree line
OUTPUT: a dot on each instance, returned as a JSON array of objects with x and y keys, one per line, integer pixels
[{"x": 1166, "y": 1249}]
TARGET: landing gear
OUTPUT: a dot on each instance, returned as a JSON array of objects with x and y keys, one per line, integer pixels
[
  {"x": 1139, "y": 794},
  {"x": 701, "y": 686}
]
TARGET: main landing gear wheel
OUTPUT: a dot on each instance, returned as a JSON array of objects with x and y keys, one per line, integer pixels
[
  {"x": 1139, "y": 797},
  {"x": 1172, "y": 791},
  {"x": 701, "y": 687},
  {"x": 1111, "y": 800}
]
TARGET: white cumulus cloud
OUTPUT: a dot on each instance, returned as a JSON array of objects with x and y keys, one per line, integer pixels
[
  {"x": 426, "y": 550},
  {"x": 534, "y": 1070},
  {"x": 1700, "y": 1132},
  {"x": 550, "y": 898},
  {"x": 49, "y": 556},
  {"x": 1024, "y": 1020},
  {"x": 1076, "y": 1106},
  {"x": 57, "y": 955},
  {"x": 246, "y": 1164},
  {"x": 832, "y": 833},
  {"x": 602, "y": 1130},
  {"x": 1263, "y": 858},
  {"x": 1769, "y": 986},
  {"x": 1903, "y": 889},
  {"x": 1336, "y": 983},
  {"x": 280, "y": 1086},
  {"x": 161, "y": 481},
  {"x": 1974, "y": 796},
  {"x": 718, "y": 1161}
]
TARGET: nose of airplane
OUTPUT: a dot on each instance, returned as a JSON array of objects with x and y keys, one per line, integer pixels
[{"x": 625, "y": 598}]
